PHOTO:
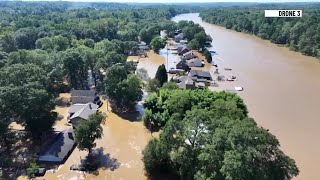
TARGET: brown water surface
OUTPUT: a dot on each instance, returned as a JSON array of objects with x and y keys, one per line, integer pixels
[{"x": 281, "y": 90}]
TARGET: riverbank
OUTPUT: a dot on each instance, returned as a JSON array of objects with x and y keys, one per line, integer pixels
[{"x": 281, "y": 90}]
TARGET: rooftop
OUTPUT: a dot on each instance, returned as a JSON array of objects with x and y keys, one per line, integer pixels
[{"x": 60, "y": 149}]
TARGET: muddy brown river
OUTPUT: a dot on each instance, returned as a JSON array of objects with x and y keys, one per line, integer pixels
[{"x": 281, "y": 90}]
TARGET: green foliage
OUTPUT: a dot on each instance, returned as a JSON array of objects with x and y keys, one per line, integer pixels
[
  {"x": 208, "y": 135},
  {"x": 169, "y": 85},
  {"x": 87, "y": 131},
  {"x": 76, "y": 70},
  {"x": 152, "y": 85},
  {"x": 300, "y": 34},
  {"x": 155, "y": 157},
  {"x": 169, "y": 102},
  {"x": 157, "y": 43},
  {"x": 23, "y": 91},
  {"x": 122, "y": 88},
  {"x": 32, "y": 169},
  {"x": 161, "y": 74},
  {"x": 207, "y": 55},
  {"x": 194, "y": 44}
]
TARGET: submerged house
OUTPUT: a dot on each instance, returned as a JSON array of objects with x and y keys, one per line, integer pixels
[
  {"x": 195, "y": 62},
  {"x": 186, "y": 82},
  {"x": 182, "y": 49},
  {"x": 60, "y": 149},
  {"x": 82, "y": 96},
  {"x": 79, "y": 112},
  {"x": 178, "y": 38},
  {"x": 199, "y": 74},
  {"x": 183, "y": 65},
  {"x": 188, "y": 55}
]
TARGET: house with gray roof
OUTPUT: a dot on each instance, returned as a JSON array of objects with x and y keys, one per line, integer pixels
[
  {"x": 79, "y": 112},
  {"x": 60, "y": 149},
  {"x": 178, "y": 37},
  {"x": 188, "y": 55},
  {"x": 186, "y": 82},
  {"x": 199, "y": 74},
  {"x": 83, "y": 96},
  {"x": 182, "y": 49},
  {"x": 195, "y": 62}
]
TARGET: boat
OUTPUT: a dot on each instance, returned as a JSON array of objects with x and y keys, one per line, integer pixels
[
  {"x": 227, "y": 69},
  {"x": 238, "y": 88},
  {"x": 211, "y": 51}
]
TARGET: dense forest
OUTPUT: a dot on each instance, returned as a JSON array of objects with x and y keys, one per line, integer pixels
[
  {"x": 49, "y": 47},
  {"x": 299, "y": 34}
]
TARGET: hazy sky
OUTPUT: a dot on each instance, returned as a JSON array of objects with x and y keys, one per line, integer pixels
[{"x": 184, "y": 1}]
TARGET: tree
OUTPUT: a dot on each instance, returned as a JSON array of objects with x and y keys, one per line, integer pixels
[
  {"x": 202, "y": 147},
  {"x": 130, "y": 91},
  {"x": 87, "y": 131},
  {"x": 201, "y": 37},
  {"x": 207, "y": 55},
  {"x": 169, "y": 85},
  {"x": 155, "y": 157},
  {"x": 194, "y": 44},
  {"x": 157, "y": 43},
  {"x": 8, "y": 43},
  {"x": 152, "y": 85},
  {"x": 161, "y": 74},
  {"x": 115, "y": 74},
  {"x": 25, "y": 38},
  {"x": 33, "y": 167},
  {"x": 75, "y": 68},
  {"x": 23, "y": 93}
]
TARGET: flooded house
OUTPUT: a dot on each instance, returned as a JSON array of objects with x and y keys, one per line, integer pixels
[
  {"x": 201, "y": 76},
  {"x": 79, "y": 112},
  {"x": 182, "y": 49},
  {"x": 186, "y": 82},
  {"x": 60, "y": 149},
  {"x": 178, "y": 38},
  {"x": 195, "y": 62},
  {"x": 82, "y": 96},
  {"x": 182, "y": 65},
  {"x": 188, "y": 55}
]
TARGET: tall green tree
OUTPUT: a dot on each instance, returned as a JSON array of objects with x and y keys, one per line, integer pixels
[
  {"x": 75, "y": 68},
  {"x": 24, "y": 93},
  {"x": 87, "y": 131},
  {"x": 157, "y": 43},
  {"x": 161, "y": 74}
]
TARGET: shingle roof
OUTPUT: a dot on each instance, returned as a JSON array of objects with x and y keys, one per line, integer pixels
[
  {"x": 81, "y": 99},
  {"x": 60, "y": 148},
  {"x": 200, "y": 73},
  {"x": 85, "y": 111},
  {"x": 195, "y": 62},
  {"x": 83, "y": 93}
]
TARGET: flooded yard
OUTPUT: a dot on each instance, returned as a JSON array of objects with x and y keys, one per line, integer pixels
[{"x": 120, "y": 149}]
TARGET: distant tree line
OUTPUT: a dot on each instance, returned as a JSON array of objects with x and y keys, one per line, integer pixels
[{"x": 299, "y": 34}]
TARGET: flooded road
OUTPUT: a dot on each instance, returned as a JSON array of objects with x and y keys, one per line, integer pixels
[{"x": 281, "y": 90}]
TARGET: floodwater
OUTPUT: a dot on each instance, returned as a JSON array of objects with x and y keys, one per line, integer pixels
[
  {"x": 120, "y": 149},
  {"x": 281, "y": 90}
]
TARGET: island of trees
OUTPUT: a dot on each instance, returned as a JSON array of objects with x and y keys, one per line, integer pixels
[
  {"x": 47, "y": 48},
  {"x": 299, "y": 34}
]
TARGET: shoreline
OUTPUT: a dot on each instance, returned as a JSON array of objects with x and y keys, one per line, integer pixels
[
  {"x": 255, "y": 36},
  {"x": 276, "y": 82}
]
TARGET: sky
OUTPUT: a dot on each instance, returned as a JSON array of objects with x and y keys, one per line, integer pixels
[{"x": 187, "y": 1}]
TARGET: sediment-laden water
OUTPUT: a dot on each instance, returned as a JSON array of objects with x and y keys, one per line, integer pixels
[{"x": 281, "y": 90}]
